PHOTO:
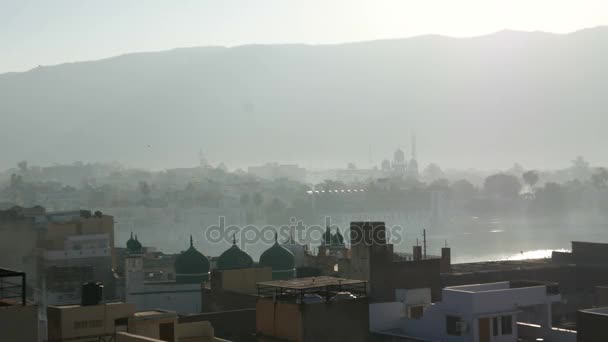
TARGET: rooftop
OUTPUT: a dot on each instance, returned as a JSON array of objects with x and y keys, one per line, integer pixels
[
  {"x": 551, "y": 288},
  {"x": 324, "y": 286},
  {"x": 504, "y": 265},
  {"x": 311, "y": 282},
  {"x": 154, "y": 314},
  {"x": 597, "y": 311},
  {"x": 72, "y": 306}
]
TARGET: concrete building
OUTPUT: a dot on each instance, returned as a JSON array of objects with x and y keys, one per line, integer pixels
[
  {"x": 77, "y": 242},
  {"x": 494, "y": 312},
  {"x": 592, "y": 325},
  {"x": 234, "y": 289},
  {"x": 274, "y": 171},
  {"x": 312, "y": 309},
  {"x": 83, "y": 323},
  {"x": 373, "y": 260},
  {"x": 182, "y": 295},
  {"x": 18, "y": 318},
  {"x": 120, "y": 322}
]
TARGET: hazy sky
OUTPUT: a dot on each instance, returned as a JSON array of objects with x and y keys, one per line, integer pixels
[{"x": 49, "y": 32}]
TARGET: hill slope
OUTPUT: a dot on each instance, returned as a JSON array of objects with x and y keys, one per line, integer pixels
[{"x": 488, "y": 101}]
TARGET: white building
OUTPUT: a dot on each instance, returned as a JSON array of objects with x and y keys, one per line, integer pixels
[{"x": 494, "y": 312}]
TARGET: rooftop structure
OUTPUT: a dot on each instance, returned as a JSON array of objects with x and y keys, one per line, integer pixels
[
  {"x": 18, "y": 318},
  {"x": 12, "y": 287},
  {"x": 312, "y": 309}
]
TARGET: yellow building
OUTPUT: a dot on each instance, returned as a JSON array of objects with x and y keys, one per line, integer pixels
[
  {"x": 81, "y": 323},
  {"x": 119, "y": 322}
]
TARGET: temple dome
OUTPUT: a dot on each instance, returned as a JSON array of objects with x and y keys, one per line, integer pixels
[
  {"x": 191, "y": 266},
  {"x": 234, "y": 258},
  {"x": 280, "y": 259}
]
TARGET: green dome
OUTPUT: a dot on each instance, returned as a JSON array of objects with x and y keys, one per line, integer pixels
[
  {"x": 280, "y": 259},
  {"x": 191, "y": 266},
  {"x": 337, "y": 240},
  {"x": 134, "y": 246},
  {"x": 234, "y": 258}
]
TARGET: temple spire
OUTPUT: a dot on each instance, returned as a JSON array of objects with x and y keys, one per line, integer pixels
[
  {"x": 234, "y": 239},
  {"x": 191, "y": 242},
  {"x": 414, "y": 146}
]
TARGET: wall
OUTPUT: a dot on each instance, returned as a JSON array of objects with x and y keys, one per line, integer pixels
[
  {"x": 182, "y": 298},
  {"x": 385, "y": 316},
  {"x": 346, "y": 320},
  {"x": 241, "y": 280},
  {"x": 19, "y": 251},
  {"x": 533, "y": 332},
  {"x": 279, "y": 320},
  {"x": 234, "y": 325},
  {"x": 19, "y": 323},
  {"x": 150, "y": 327},
  {"x": 195, "y": 330},
  {"x": 75, "y": 320},
  {"x": 212, "y": 300},
  {"x": 591, "y": 327},
  {"x": 126, "y": 337}
]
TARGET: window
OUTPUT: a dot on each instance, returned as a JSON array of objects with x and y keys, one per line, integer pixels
[
  {"x": 506, "y": 325},
  {"x": 416, "y": 312},
  {"x": 495, "y": 326},
  {"x": 121, "y": 324},
  {"x": 88, "y": 324},
  {"x": 453, "y": 325}
]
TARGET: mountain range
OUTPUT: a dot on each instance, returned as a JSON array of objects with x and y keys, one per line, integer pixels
[{"x": 536, "y": 98}]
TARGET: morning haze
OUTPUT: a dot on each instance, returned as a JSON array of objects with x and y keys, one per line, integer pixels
[
  {"x": 483, "y": 102},
  {"x": 303, "y": 171}
]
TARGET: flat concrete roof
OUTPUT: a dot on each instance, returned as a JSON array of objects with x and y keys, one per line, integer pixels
[
  {"x": 310, "y": 283},
  {"x": 154, "y": 314},
  {"x": 597, "y": 311}
]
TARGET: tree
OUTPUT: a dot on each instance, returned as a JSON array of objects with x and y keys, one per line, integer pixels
[
  {"x": 144, "y": 188},
  {"x": 432, "y": 172},
  {"x": 258, "y": 199},
  {"x": 580, "y": 168},
  {"x": 549, "y": 200},
  {"x": 244, "y": 199},
  {"x": 502, "y": 185},
  {"x": 329, "y": 184},
  {"x": 530, "y": 178},
  {"x": 599, "y": 178},
  {"x": 463, "y": 190},
  {"x": 439, "y": 185},
  {"x": 22, "y": 165}
]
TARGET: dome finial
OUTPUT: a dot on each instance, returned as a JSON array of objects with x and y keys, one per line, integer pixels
[
  {"x": 135, "y": 237},
  {"x": 234, "y": 239},
  {"x": 191, "y": 243},
  {"x": 131, "y": 235},
  {"x": 276, "y": 237}
]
